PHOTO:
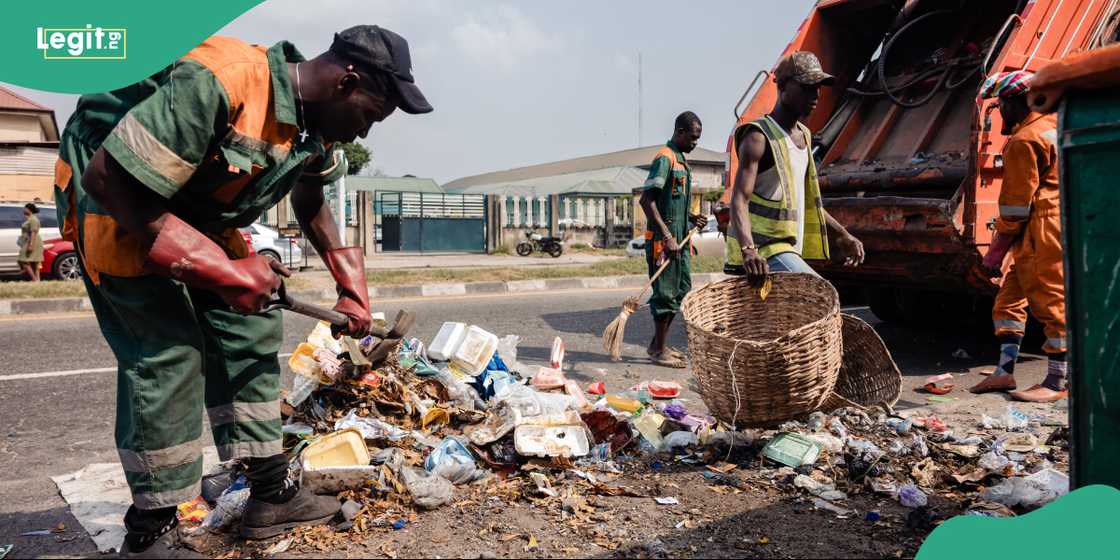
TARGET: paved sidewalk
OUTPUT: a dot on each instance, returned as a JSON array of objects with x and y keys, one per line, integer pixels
[
  {"x": 460, "y": 260},
  {"x": 326, "y": 294}
]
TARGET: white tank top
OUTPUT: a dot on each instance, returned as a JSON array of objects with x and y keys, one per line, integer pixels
[{"x": 768, "y": 184}]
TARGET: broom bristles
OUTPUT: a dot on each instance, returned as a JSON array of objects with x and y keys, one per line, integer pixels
[{"x": 616, "y": 330}]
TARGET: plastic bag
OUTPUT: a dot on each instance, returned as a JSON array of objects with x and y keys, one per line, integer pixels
[
  {"x": 679, "y": 439},
  {"x": 429, "y": 491},
  {"x": 507, "y": 351},
  {"x": 992, "y": 462},
  {"x": 460, "y": 394},
  {"x": 370, "y": 428},
  {"x": 454, "y": 462},
  {"x": 529, "y": 403},
  {"x": 912, "y": 497},
  {"x": 1032, "y": 491}
]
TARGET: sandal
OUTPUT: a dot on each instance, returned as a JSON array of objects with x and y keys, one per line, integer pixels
[
  {"x": 673, "y": 351},
  {"x": 667, "y": 359}
]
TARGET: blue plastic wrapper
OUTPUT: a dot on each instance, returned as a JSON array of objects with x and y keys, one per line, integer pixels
[
  {"x": 494, "y": 379},
  {"x": 399, "y": 524},
  {"x": 448, "y": 450},
  {"x": 496, "y": 364}
]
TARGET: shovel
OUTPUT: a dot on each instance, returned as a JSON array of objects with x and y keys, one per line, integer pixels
[{"x": 387, "y": 339}]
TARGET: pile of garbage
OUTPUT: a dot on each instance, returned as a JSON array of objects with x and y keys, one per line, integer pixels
[
  {"x": 407, "y": 432},
  {"x": 400, "y": 435},
  {"x": 996, "y": 468}
]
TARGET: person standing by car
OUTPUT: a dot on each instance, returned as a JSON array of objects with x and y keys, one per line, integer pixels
[
  {"x": 666, "y": 197},
  {"x": 30, "y": 243}
]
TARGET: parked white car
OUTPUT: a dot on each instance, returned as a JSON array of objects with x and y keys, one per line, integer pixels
[
  {"x": 268, "y": 242},
  {"x": 708, "y": 242},
  {"x": 11, "y": 218}
]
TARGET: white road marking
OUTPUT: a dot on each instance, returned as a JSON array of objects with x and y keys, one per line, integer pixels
[{"x": 18, "y": 376}]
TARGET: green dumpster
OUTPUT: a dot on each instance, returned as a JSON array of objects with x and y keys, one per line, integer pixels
[{"x": 1089, "y": 140}]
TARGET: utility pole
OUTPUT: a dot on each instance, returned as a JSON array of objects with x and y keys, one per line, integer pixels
[{"x": 639, "y": 99}]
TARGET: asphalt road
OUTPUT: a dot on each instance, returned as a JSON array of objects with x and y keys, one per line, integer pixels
[{"x": 57, "y": 384}]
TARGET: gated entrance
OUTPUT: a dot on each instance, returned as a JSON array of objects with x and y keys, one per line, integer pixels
[{"x": 427, "y": 222}]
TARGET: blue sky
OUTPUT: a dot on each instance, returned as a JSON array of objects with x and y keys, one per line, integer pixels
[{"x": 518, "y": 83}]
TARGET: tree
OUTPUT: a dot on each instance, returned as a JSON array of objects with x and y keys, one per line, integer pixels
[{"x": 357, "y": 157}]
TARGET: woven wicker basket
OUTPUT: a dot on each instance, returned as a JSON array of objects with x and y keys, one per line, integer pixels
[
  {"x": 784, "y": 352},
  {"x": 868, "y": 375}
]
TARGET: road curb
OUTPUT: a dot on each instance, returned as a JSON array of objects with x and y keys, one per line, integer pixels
[{"x": 71, "y": 305}]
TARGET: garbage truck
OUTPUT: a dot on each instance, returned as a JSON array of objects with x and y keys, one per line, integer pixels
[{"x": 909, "y": 159}]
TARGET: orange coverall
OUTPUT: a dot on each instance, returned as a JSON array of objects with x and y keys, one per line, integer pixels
[{"x": 1029, "y": 211}]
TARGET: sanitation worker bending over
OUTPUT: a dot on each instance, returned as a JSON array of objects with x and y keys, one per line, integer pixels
[{"x": 152, "y": 183}]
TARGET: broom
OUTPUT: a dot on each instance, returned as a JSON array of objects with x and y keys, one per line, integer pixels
[{"x": 612, "y": 336}]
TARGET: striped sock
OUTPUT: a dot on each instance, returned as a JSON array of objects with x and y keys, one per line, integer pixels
[
  {"x": 1008, "y": 354},
  {"x": 1056, "y": 370}
]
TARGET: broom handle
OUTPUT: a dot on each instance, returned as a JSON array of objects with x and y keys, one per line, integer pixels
[{"x": 664, "y": 265}]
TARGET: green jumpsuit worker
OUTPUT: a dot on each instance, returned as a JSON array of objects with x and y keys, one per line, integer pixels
[
  {"x": 666, "y": 201},
  {"x": 152, "y": 183}
]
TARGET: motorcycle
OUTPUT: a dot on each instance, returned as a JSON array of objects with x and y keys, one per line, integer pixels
[{"x": 536, "y": 242}]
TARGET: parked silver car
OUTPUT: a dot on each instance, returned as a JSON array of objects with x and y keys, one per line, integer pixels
[
  {"x": 267, "y": 242},
  {"x": 11, "y": 218},
  {"x": 708, "y": 242}
]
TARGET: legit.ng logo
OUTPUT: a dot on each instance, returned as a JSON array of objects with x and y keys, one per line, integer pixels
[{"x": 88, "y": 43}]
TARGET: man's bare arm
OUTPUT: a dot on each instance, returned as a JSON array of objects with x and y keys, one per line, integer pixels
[
  {"x": 315, "y": 217},
  {"x": 751, "y": 151}
]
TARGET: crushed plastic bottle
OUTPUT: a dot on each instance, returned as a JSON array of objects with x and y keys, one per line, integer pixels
[
  {"x": 227, "y": 511},
  {"x": 837, "y": 427},
  {"x": 912, "y": 497},
  {"x": 1015, "y": 419}
]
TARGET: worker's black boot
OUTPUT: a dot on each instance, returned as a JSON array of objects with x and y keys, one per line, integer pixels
[
  {"x": 153, "y": 534},
  {"x": 276, "y": 504}
]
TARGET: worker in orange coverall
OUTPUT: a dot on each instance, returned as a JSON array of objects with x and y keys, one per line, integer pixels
[{"x": 1030, "y": 229}]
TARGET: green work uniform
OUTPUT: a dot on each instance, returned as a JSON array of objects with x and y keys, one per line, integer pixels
[
  {"x": 671, "y": 179},
  {"x": 216, "y": 136},
  {"x": 30, "y": 250}
]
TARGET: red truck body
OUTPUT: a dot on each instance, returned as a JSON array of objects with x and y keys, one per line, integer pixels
[{"x": 917, "y": 177}]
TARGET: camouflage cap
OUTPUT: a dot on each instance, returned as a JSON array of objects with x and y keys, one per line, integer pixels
[{"x": 804, "y": 68}]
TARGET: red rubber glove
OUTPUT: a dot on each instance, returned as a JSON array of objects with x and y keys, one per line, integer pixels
[
  {"x": 348, "y": 267},
  {"x": 185, "y": 254},
  {"x": 997, "y": 251}
]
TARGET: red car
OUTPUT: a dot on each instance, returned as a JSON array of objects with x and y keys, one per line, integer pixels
[{"x": 60, "y": 260}]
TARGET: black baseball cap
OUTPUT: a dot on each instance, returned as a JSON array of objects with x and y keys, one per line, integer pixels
[{"x": 375, "y": 49}]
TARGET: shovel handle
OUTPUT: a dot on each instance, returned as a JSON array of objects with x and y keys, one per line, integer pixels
[{"x": 285, "y": 301}]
